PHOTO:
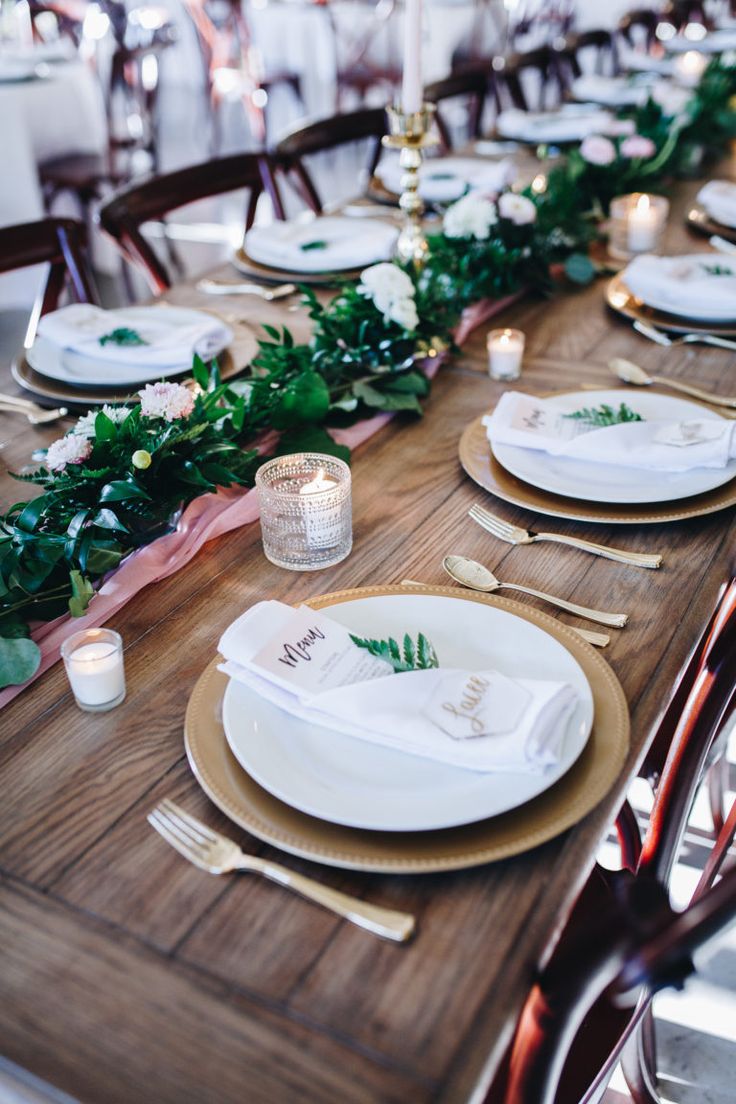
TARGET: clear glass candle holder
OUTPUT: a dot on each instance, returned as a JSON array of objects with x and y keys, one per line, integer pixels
[
  {"x": 505, "y": 353},
  {"x": 306, "y": 510},
  {"x": 93, "y": 659},
  {"x": 636, "y": 224}
]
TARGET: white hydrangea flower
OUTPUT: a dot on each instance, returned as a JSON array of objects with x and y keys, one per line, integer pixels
[
  {"x": 392, "y": 293},
  {"x": 166, "y": 400},
  {"x": 471, "y": 217},
  {"x": 671, "y": 98},
  {"x": 72, "y": 449},
  {"x": 518, "y": 209},
  {"x": 85, "y": 426}
]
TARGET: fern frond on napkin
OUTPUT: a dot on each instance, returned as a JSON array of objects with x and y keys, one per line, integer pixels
[
  {"x": 604, "y": 415},
  {"x": 419, "y": 656}
]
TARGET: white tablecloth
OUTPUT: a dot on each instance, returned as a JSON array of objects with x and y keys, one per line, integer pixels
[{"x": 41, "y": 119}]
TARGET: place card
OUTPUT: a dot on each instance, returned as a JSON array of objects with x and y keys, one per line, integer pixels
[{"x": 470, "y": 704}]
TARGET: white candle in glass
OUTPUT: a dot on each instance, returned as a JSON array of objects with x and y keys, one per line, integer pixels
[
  {"x": 94, "y": 667},
  {"x": 689, "y": 67},
  {"x": 643, "y": 225},
  {"x": 320, "y": 527},
  {"x": 411, "y": 86},
  {"x": 505, "y": 351}
]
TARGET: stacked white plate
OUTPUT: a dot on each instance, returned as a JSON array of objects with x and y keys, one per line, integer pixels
[
  {"x": 330, "y": 243},
  {"x": 352, "y": 782}
]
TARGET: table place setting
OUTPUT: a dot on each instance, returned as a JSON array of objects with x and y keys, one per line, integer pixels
[
  {"x": 443, "y": 180},
  {"x": 403, "y": 728},
  {"x": 570, "y": 123},
  {"x": 315, "y": 249},
  {"x": 85, "y": 355},
  {"x": 630, "y": 91},
  {"x": 714, "y": 212}
]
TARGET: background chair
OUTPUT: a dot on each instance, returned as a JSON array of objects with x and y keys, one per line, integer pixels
[
  {"x": 470, "y": 86},
  {"x": 592, "y": 51},
  {"x": 58, "y": 242},
  {"x": 367, "y": 52},
  {"x": 368, "y": 123},
  {"x": 125, "y": 212},
  {"x": 531, "y": 81}
]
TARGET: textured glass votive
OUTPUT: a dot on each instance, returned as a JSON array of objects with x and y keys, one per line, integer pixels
[
  {"x": 636, "y": 224},
  {"x": 93, "y": 659},
  {"x": 505, "y": 352},
  {"x": 306, "y": 510}
]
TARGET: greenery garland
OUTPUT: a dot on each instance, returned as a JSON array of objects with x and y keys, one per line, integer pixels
[{"x": 117, "y": 480}]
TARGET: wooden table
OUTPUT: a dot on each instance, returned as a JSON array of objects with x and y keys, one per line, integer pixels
[{"x": 127, "y": 975}]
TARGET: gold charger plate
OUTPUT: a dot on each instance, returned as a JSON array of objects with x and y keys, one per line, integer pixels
[
  {"x": 62, "y": 394},
  {"x": 267, "y": 275},
  {"x": 484, "y": 469},
  {"x": 576, "y": 794},
  {"x": 624, "y": 302},
  {"x": 699, "y": 219}
]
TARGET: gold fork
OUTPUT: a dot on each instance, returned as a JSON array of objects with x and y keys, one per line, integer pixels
[
  {"x": 513, "y": 534},
  {"x": 215, "y": 853}
]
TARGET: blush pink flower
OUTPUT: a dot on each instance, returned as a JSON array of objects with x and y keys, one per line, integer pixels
[
  {"x": 72, "y": 449},
  {"x": 638, "y": 146},
  {"x": 166, "y": 400},
  {"x": 597, "y": 150}
]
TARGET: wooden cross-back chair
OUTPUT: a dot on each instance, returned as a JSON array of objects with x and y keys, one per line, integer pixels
[
  {"x": 123, "y": 214},
  {"x": 358, "y": 68},
  {"x": 556, "y": 1058},
  {"x": 367, "y": 123},
  {"x": 599, "y": 43},
  {"x": 58, "y": 242},
  {"x": 639, "y": 27},
  {"x": 470, "y": 85},
  {"x": 544, "y": 65}
]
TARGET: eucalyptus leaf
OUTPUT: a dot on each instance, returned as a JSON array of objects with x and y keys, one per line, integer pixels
[{"x": 19, "y": 660}]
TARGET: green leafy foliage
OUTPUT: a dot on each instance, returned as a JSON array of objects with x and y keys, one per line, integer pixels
[
  {"x": 411, "y": 656},
  {"x": 122, "y": 336},
  {"x": 604, "y": 415}
]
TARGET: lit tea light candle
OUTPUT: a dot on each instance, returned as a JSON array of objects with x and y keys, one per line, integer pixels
[
  {"x": 93, "y": 659},
  {"x": 306, "y": 510},
  {"x": 505, "y": 351},
  {"x": 689, "y": 68},
  {"x": 637, "y": 223}
]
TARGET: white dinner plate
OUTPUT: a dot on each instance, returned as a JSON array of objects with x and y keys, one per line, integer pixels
[
  {"x": 697, "y": 314},
  {"x": 607, "y": 482},
  {"x": 352, "y": 782},
  {"x": 85, "y": 370},
  {"x": 330, "y": 243},
  {"x": 446, "y": 179}
]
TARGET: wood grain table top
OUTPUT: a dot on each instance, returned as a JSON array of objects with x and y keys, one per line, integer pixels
[{"x": 128, "y": 975}]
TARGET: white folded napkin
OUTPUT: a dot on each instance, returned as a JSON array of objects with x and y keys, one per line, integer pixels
[
  {"x": 715, "y": 42},
  {"x": 347, "y": 243},
  {"x": 481, "y": 721},
  {"x": 445, "y": 179},
  {"x": 529, "y": 422},
  {"x": 685, "y": 285},
  {"x": 80, "y": 326},
  {"x": 611, "y": 91},
  {"x": 637, "y": 61},
  {"x": 719, "y": 199},
  {"x": 553, "y": 126}
]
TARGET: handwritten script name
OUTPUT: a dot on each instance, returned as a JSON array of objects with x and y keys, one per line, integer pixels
[
  {"x": 468, "y": 709},
  {"x": 299, "y": 650}
]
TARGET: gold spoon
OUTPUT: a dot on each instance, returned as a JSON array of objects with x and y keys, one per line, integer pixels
[
  {"x": 628, "y": 372},
  {"x": 470, "y": 573}
]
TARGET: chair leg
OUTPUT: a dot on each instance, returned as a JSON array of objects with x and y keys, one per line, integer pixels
[{"x": 640, "y": 1079}]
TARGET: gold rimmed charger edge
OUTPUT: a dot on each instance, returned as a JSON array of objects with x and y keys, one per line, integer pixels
[
  {"x": 623, "y": 301},
  {"x": 47, "y": 389},
  {"x": 700, "y": 220},
  {"x": 557, "y": 809},
  {"x": 481, "y": 465},
  {"x": 246, "y": 265}
]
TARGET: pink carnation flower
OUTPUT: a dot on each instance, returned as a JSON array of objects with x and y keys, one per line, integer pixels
[
  {"x": 598, "y": 150},
  {"x": 638, "y": 146},
  {"x": 72, "y": 449},
  {"x": 166, "y": 400}
]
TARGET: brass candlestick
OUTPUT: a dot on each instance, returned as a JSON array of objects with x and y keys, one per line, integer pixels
[{"x": 410, "y": 133}]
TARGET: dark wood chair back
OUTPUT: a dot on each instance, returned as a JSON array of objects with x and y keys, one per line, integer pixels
[
  {"x": 553, "y": 1058},
  {"x": 639, "y": 27},
  {"x": 326, "y": 134},
  {"x": 599, "y": 44},
  {"x": 58, "y": 242},
  {"x": 471, "y": 85},
  {"x": 369, "y": 58},
  {"x": 123, "y": 214},
  {"x": 545, "y": 67}
]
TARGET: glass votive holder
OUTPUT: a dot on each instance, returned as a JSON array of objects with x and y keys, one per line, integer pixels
[
  {"x": 505, "y": 352},
  {"x": 93, "y": 659},
  {"x": 306, "y": 510},
  {"x": 636, "y": 224}
]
